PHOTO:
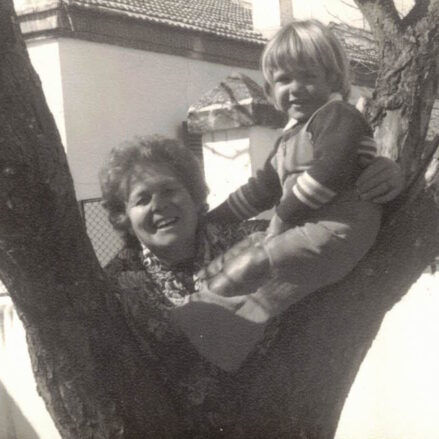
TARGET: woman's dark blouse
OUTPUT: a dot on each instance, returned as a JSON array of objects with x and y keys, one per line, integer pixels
[{"x": 148, "y": 289}]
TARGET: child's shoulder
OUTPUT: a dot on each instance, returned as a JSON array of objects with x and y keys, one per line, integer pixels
[
  {"x": 342, "y": 108},
  {"x": 338, "y": 113}
]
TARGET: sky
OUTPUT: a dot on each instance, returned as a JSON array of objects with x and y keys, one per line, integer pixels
[
  {"x": 338, "y": 10},
  {"x": 267, "y": 11}
]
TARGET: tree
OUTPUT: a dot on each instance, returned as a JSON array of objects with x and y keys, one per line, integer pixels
[{"x": 96, "y": 379}]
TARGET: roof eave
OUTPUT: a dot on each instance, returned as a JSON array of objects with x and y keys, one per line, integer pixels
[{"x": 35, "y": 18}]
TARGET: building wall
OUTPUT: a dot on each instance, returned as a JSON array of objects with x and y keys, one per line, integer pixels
[
  {"x": 232, "y": 156},
  {"x": 102, "y": 94}
]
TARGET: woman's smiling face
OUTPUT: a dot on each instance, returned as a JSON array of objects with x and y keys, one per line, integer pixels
[{"x": 162, "y": 213}]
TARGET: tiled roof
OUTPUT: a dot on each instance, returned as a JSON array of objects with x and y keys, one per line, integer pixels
[
  {"x": 223, "y": 18},
  {"x": 235, "y": 88},
  {"x": 359, "y": 43},
  {"x": 237, "y": 101}
]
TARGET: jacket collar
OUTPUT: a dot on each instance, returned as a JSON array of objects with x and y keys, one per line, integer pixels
[{"x": 293, "y": 122}]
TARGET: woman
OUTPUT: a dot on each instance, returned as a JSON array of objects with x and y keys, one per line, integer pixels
[{"x": 155, "y": 194}]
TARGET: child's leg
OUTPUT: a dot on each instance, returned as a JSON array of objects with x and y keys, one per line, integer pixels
[
  {"x": 307, "y": 258},
  {"x": 240, "y": 270},
  {"x": 225, "y": 329}
]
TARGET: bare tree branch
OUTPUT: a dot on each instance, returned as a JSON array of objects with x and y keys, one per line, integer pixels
[
  {"x": 349, "y": 5},
  {"x": 382, "y": 16},
  {"x": 419, "y": 10}
]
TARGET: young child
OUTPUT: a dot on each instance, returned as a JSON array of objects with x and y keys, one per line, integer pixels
[{"x": 321, "y": 228}]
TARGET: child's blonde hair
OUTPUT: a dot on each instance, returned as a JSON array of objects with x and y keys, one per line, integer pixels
[{"x": 305, "y": 44}]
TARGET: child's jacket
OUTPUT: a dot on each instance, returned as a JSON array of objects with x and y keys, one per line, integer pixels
[{"x": 310, "y": 165}]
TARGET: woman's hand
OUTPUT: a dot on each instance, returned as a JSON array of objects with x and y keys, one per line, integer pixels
[
  {"x": 381, "y": 181},
  {"x": 240, "y": 270}
]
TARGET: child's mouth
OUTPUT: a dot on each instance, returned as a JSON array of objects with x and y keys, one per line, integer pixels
[{"x": 297, "y": 102}]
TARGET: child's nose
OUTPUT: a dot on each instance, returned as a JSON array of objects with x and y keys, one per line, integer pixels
[{"x": 295, "y": 86}]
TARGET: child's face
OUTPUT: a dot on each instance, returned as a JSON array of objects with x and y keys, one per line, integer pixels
[{"x": 300, "y": 92}]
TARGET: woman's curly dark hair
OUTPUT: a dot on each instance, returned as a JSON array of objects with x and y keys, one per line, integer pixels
[{"x": 123, "y": 160}]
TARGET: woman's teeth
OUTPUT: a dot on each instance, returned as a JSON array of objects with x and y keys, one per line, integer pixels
[{"x": 165, "y": 222}]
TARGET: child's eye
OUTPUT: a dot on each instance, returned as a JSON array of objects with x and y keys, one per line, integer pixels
[
  {"x": 311, "y": 76},
  {"x": 169, "y": 191}
]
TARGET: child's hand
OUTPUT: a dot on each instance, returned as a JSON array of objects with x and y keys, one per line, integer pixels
[{"x": 276, "y": 227}]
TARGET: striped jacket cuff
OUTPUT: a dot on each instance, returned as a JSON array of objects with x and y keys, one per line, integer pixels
[
  {"x": 312, "y": 193},
  {"x": 367, "y": 147},
  {"x": 240, "y": 206}
]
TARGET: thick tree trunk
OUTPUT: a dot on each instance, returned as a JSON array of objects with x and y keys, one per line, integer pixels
[
  {"x": 407, "y": 83},
  {"x": 88, "y": 368},
  {"x": 96, "y": 381}
]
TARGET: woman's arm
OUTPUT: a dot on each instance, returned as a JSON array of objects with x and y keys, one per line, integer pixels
[{"x": 381, "y": 181}]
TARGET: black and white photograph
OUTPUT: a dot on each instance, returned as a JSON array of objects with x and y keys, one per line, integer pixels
[{"x": 219, "y": 219}]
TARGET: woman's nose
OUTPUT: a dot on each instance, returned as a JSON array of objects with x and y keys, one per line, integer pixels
[{"x": 158, "y": 202}]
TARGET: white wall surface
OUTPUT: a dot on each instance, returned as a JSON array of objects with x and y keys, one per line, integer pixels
[
  {"x": 109, "y": 94},
  {"x": 22, "y": 412},
  {"x": 395, "y": 394},
  {"x": 45, "y": 57},
  {"x": 227, "y": 163},
  {"x": 232, "y": 156}
]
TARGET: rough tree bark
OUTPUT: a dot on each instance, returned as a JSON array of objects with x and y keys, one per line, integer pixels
[
  {"x": 96, "y": 381},
  {"x": 89, "y": 370}
]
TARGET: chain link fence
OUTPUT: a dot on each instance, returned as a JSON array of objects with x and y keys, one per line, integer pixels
[{"x": 106, "y": 242}]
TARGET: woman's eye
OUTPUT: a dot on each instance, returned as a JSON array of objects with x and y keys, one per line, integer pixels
[
  {"x": 282, "y": 80},
  {"x": 143, "y": 201}
]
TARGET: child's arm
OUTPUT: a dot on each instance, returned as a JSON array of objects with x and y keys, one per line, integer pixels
[
  {"x": 260, "y": 193},
  {"x": 336, "y": 132}
]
